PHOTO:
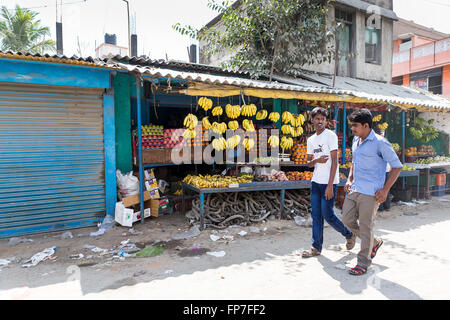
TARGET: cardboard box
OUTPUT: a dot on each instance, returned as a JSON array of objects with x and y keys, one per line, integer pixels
[
  {"x": 135, "y": 199},
  {"x": 137, "y": 215},
  {"x": 151, "y": 204}
]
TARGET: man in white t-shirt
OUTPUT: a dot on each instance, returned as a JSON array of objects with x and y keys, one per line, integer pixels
[{"x": 322, "y": 153}]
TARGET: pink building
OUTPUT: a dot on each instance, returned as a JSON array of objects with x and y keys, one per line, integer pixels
[{"x": 421, "y": 57}]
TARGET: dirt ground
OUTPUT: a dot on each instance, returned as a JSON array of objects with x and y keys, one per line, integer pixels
[{"x": 185, "y": 264}]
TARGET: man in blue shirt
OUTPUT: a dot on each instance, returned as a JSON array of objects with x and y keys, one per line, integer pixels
[{"x": 367, "y": 186}]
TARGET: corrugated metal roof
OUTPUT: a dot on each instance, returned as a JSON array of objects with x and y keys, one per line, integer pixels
[
  {"x": 74, "y": 60},
  {"x": 176, "y": 65},
  {"x": 373, "y": 91}
]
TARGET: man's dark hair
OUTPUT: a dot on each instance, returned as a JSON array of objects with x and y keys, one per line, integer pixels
[
  {"x": 362, "y": 116},
  {"x": 319, "y": 110}
]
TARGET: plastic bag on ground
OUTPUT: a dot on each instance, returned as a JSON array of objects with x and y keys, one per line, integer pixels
[
  {"x": 40, "y": 256},
  {"x": 192, "y": 232},
  {"x": 303, "y": 222}
]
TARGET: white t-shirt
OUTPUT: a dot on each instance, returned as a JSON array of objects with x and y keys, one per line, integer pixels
[{"x": 319, "y": 145}]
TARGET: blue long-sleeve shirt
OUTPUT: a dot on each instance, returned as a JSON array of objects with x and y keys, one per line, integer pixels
[{"x": 369, "y": 163}]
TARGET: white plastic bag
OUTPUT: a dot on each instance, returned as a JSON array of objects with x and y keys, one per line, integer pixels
[{"x": 128, "y": 184}]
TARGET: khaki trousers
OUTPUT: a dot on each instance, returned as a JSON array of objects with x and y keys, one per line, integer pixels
[{"x": 362, "y": 207}]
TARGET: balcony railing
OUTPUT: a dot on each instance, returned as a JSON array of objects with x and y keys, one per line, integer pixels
[{"x": 422, "y": 57}]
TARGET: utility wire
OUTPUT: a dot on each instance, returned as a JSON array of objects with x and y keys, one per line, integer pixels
[{"x": 50, "y": 5}]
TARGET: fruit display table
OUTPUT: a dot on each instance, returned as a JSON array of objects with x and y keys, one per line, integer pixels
[
  {"x": 282, "y": 186},
  {"x": 427, "y": 168},
  {"x": 411, "y": 173}
]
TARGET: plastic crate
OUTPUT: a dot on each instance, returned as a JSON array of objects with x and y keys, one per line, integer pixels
[
  {"x": 441, "y": 179},
  {"x": 412, "y": 181},
  {"x": 438, "y": 191}
]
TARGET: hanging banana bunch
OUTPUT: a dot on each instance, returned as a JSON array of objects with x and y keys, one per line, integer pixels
[
  {"x": 189, "y": 134},
  {"x": 205, "y": 103},
  {"x": 190, "y": 121},
  {"x": 217, "y": 111},
  {"x": 232, "y": 111},
  {"x": 261, "y": 115},
  {"x": 274, "y": 116},
  {"x": 287, "y": 117},
  {"x": 286, "y": 143},
  {"x": 376, "y": 118},
  {"x": 274, "y": 141},
  {"x": 233, "y": 141},
  {"x": 298, "y": 120},
  {"x": 297, "y": 132},
  {"x": 233, "y": 125},
  {"x": 219, "y": 127},
  {"x": 248, "y": 110},
  {"x": 206, "y": 124},
  {"x": 248, "y": 143},
  {"x": 248, "y": 125},
  {"x": 287, "y": 129},
  {"x": 219, "y": 144}
]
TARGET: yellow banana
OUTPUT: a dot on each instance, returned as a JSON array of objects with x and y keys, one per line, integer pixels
[
  {"x": 206, "y": 123},
  {"x": 274, "y": 116},
  {"x": 274, "y": 141}
]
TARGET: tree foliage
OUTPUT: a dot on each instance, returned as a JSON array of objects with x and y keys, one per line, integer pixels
[
  {"x": 21, "y": 31},
  {"x": 268, "y": 35}
]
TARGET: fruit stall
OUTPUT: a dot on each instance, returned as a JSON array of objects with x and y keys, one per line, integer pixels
[{"x": 223, "y": 114}]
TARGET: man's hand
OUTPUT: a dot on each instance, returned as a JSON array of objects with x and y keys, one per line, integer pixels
[
  {"x": 322, "y": 159},
  {"x": 329, "y": 192},
  {"x": 348, "y": 185},
  {"x": 381, "y": 195}
]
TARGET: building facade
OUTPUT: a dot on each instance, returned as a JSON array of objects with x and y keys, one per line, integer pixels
[
  {"x": 421, "y": 58},
  {"x": 365, "y": 43}
]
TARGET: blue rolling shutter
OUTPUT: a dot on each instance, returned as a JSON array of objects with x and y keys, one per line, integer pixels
[{"x": 51, "y": 159}]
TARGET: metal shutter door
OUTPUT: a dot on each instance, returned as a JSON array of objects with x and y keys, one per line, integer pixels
[{"x": 51, "y": 158}]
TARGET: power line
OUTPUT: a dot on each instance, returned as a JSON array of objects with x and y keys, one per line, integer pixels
[{"x": 50, "y": 5}]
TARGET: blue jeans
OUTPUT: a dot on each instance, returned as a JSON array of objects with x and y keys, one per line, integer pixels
[{"x": 321, "y": 209}]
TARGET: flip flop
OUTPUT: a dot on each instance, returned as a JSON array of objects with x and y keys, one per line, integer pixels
[
  {"x": 310, "y": 253},
  {"x": 357, "y": 271},
  {"x": 375, "y": 248}
]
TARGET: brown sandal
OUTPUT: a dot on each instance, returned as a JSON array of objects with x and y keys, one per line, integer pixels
[
  {"x": 310, "y": 253},
  {"x": 351, "y": 243}
]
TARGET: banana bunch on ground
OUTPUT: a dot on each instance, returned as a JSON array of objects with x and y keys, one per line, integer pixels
[
  {"x": 287, "y": 117},
  {"x": 248, "y": 110},
  {"x": 219, "y": 144},
  {"x": 286, "y": 143},
  {"x": 274, "y": 116},
  {"x": 232, "y": 111},
  {"x": 206, "y": 124},
  {"x": 233, "y": 125},
  {"x": 189, "y": 134},
  {"x": 248, "y": 125},
  {"x": 298, "y": 120},
  {"x": 274, "y": 141},
  {"x": 219, "y": 127},
  {"x": 190, "y": 121},
  {"x": 376, "y": 118},
  {"x": 297, "y": 132},
  {"x": 217, "y": 111},
  {"x": 383, "y": 126},
  {"x": 205, "y": 103},
  {"x": 248, "y": 143},
  {"x": 233, "y": 141},
  {"x": 261, "y": 115}
]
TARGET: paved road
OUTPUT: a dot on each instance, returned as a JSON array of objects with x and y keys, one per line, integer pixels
[{"x": 412, "y": 264}]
